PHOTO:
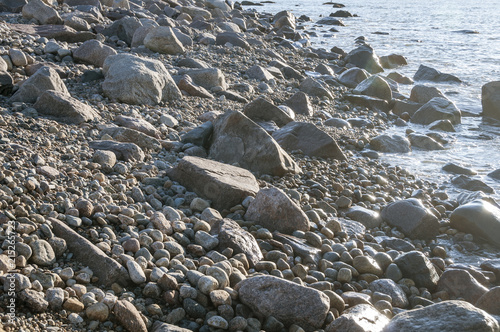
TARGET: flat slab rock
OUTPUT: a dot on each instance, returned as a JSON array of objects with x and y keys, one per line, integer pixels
[
  {"x": 225, "y": 185},
  {"x": 105, "y": 268},
  {"x": 58, "y": 32},
  {"x": 286, "y": 301},
  {"x": 444, "y": 316}
]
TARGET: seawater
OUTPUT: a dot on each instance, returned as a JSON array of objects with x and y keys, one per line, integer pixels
[{"x": 436, "y": 34}]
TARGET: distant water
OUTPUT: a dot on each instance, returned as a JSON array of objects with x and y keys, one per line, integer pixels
[{"x": 432, "y": 33}]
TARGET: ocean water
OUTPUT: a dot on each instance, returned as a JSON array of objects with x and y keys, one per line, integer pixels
[{"x": 431, "y": 33}]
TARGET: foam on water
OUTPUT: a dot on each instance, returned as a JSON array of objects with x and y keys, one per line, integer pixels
[{"x": 427, "y": 32}]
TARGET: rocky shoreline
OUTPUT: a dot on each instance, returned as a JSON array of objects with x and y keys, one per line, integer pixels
[{"x": 198, "y": 166}]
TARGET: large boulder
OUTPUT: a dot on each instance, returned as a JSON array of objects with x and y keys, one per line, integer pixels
[
  {"x": 414, "y": 265},
  {"x": 261, "y": 109},
  {"x": 425, "y": 73},
  {"x": 64, "y": 108},
  {"x": 480, "y": 218},
  {"x": 374, "y": 86},
  {"x": 490, "y": 99},
  {"x": 424, "y": 142},
  {"x": 93, "y": 52},
  {"x": 237, "y": 139},
  {"x": 43, "y": 13},
  {"x": 390, "y": 144},
  {"x": 259, "y": 73},
  {"x": 364, "y": 57},
  {"x": 274, "y": 210},
  {"x": 489, "y": 301},
  {"x": 367, "y": 217},
  {"x": 393, "y": 61},
  {"x": 286, "y": 301},
  {"x": 468, "y": 183},
  {"x": 412, "y": 218},
  {"x": 231, "y": 235},
  {"x": 134, "y": 80},
  {"x": 353, "y": 76},
  {"x": 437, "y": 109},
  {"x": 460, "y": 283},
  {"x": 359, "y": 318},
  {"x": 44, "y": 79},
  {"x": 310, "y": 139},
  {"x": 444, "y": 316},
  {"x": 163, "y": 40},
  {"x": 225, "y": 185}
]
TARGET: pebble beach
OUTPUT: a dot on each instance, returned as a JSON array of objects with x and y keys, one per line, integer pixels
[{"x": 188, "y": 165}]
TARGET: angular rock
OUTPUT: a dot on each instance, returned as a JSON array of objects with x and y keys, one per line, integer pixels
[
  {"x": 364, "y": 57},
  {"x": 64, "y": 108},
  {"x": 273, "y": 210},
  {"x": 308, "y": 138},
  {"x": 259, "y": 73},
  {"x": 425, "y": 73},
  {"x": 124, "y": 28},
  {"x": 41, "y": 12},
  {"x": 186, "y": 84},
  {"x": 44, "y": 79},
  {"x": 314, "y": 88},
  {"x": 412, "y": 218},
  {"x": 374, "y": 86},
  {"x": 129, "y": 317},
  {"x": 437, "y": 109},
  {"x": 34, "y": 300},
  {"x": 416, "y": 266},
  {"x": 105, "y": 268},
  {"x": 401, "y": 79},
  {"x": 405, "y": 106},
  {"x": 331, "y": 21},
  {"x": 443, "y": 125},
  {"x": 467, "y": 183},
  {"x": 123, "y": 151},
  {"x": 225, "y": 185},
  {"x": 237, "y": 139},
  {"x": 444, "y": 316},
  {"x": 424, "y": 142},
  {"x": 128, "y": 135},
  {"x": 233, "y": 38},
  {"x": 458, "y": 169},
  {"x": 422, "y": 93},
  {"x": 231, "y": 235},
  {"x": 300, "y": 103},
  {"x": 163, "y": 40},
  {"x": 389, "y": 287},
  {"x": 159, "y": 326},
  {"x": 206, "y": 77},
  {"x": 390, "y": 144},
  {"x": 200, "y": 135},
  {"x": 262, "y": 110},
  {"x": 353, "y": 76},
  {"x": 361, "y": 317},
  {"x": 134, "y": 80},
  {"x": 495, "y": 174},
  {"x": 93, "y": 52},
  {"x": 368, "y": 101},
  {"x": 286, "y": 301},
  {"x": 460, "y": 283},
  {"x": 138, "y": 124},
  {"x": 490, "y": 99},
  {"x": 480, "y": 218}
]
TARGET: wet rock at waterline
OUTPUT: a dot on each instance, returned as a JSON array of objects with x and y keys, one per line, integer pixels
[{"x": 490, "y": 99}]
